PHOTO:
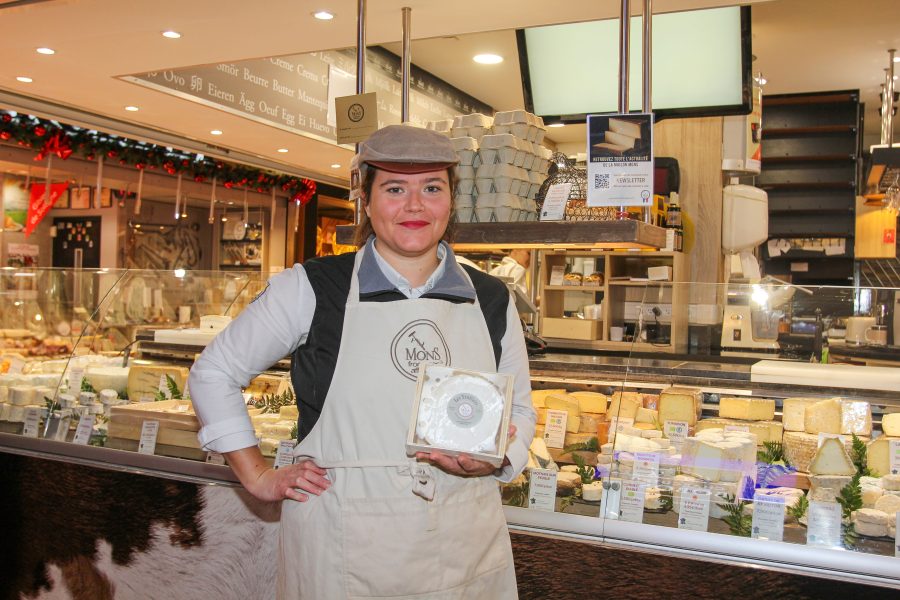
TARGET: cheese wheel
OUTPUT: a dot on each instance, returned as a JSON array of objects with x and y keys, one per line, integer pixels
[
  {"x": 793, "y": 413},
  {"x": 538, "y": 396},
  {"x": 591, "y": 402},
  {"x": 890, "y": 424},
  {"x": 888, "y": 503},
  {"x": 680, "y": 404},
  {"x": 748, "y": 409}
]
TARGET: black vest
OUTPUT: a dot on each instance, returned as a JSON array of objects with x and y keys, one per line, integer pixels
[{"x": 313, "y": 363}]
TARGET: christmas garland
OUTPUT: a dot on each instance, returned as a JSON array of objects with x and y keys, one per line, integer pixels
[{"x": 59, "y": 139}]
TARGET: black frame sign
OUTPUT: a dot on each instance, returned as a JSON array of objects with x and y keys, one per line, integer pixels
[{"x": 292, "y": 92}]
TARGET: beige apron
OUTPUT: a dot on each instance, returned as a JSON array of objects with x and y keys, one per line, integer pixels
[{"x": 375, "y": 533}]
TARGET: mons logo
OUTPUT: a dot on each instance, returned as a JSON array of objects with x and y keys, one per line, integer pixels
[{"x": 418, "y": 343}]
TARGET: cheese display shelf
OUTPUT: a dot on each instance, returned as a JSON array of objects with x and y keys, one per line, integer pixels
[{"x": 773, "y": 461}]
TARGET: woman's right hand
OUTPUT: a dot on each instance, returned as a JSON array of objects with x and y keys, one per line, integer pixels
[{"x": 287, "y": 482}]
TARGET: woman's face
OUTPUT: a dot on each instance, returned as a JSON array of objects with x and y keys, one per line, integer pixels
[{"x": 409, "y": 212}]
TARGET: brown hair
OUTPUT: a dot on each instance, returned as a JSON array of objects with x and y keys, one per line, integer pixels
[{"x": 364, "y": 229}]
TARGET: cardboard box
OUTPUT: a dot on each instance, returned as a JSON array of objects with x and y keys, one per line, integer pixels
[{"x": 571, "y": 328}]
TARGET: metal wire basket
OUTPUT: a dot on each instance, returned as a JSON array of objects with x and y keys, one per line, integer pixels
[{"x": 563, "y": 170}]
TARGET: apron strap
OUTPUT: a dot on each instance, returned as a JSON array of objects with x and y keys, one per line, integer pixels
[{"x": 422, "y": 474}]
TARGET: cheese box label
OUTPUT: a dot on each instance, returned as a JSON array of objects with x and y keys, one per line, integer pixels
[
  {"x": 824, "y": 436},
  {"x": 824, "y": 524},
  {"x": 554, "y": 207},
  {"x": 694, "y": 510},
  {"x": 32, "y": 421},
  {"x": 76, "y": 374},
  {"x": 555, "y": 428},
  {"x": 768, "y": 518},
  {"x": 542, "y": 489},
  {"x": 619, "y": 424},
  {"x": 149, "y": 431},
  {"x": 676, "y": 432},
  {"x": 284, "y": 456},
  {"x": 84, "y": 430},
  {"x": 895, "y": 457},
  {"x": 631, "y": 502},
  {"x": 646, "y": 468}
]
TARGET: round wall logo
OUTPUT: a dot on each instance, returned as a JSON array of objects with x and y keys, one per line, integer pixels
[
  {"x": 356, "y": 112},
  {"x": 420, "y": 342}
]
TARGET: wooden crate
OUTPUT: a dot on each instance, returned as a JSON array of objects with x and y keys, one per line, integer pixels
[
  {"x": 570, "y": 328},
  {"x": 178, "y": 425}
]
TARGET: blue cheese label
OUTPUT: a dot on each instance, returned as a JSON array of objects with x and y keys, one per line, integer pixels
[
  {"x": 768, "y": 518},
  {"x": 149, "y": 431},
  {"x": 542, "y": 489},
  {"x": 693, "y": 513},
  {"x": 824, "y": 524}
]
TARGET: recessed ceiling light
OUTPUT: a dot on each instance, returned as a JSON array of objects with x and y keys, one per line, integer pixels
[
  {"x": 132, "y": 108},
  {"x": 216, "y": 132},
  {"x": 556, "y": 124},
  {"x": 323, "y": 15},
  {"x": 335, "y": 166},
  {"x": 23, "y": 79},
  {"x": 282, "y": 150},
  {"x": 173, "y": 35},
  {"x": 487, "y": 59},
  {"x": 46, "y": 51}
]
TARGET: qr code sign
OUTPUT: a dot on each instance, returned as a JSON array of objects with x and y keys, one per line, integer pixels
[{"x": 601, "y": 181}]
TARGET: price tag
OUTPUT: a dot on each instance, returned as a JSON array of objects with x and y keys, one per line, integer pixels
[
  {"x": 84, "y": 429},
  {"x": 149, "y": 431},
  {"x": 619, "y": 424},
  {"x": 214, "y": 458},
  {"x": 76, "y": 374},
  {"x": 557, "y": 275},
  {"x": 554, "y": 207},
  {"x": 555, "y": 428},
  {"x": 646, "y": 468},
  {"x": 895, "y": 457},
  {"x": 284, "y": 456},
  {"x": 693, "y": 513},
  {"x": 164, "y": 387},
  {"x": 676, "y": 431},
  {"x": 824, "y": 436},
  {"x": 542, "y": 490},
  {"x": 824, "y": 524},
  {"x": 744, "y": 428},
  {"x": 32, "y": 421},
  {"x": 16, "y": 365},
  {"x": 768, "y": 518},
  {"x": 631, "y": 504}
]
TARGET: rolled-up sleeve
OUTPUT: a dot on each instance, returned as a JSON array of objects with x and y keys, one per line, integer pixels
[
  {"x": 270, "y": 328},
  {"x": 514, "y": 361}
]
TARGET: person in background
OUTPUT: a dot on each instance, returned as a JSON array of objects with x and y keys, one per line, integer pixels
[
  {"x": 360, "y": 517},
  {"x": 515, "y": 266}
]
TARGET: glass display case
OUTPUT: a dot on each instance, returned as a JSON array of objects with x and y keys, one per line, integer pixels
[{"x": 769, "y": 442}]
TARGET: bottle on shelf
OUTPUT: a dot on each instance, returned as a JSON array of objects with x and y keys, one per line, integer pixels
[{"x": 674, "y": 221}]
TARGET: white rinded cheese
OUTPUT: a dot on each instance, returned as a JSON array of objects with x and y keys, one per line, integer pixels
[
  {"x": 653, "y": 498},
  {"x": 832, "y": 459},
  {"x": 799, "y": 448},
  {"x": 765, "y": 431},
  {"x": 890, "y": 424},
  {"x": 567, "y": 481},
  {"x": 592, "y": 492},
  {"x": 538, "y": 396},
  {"x": 856, "y": 417},
  {"x": 21, "y": 395},
  {"x": 891, "y": 482},
  {"x": 591, "y": 402},
  {"x": 870, "y": 529},
  {"x": 878, "y": 455},
  {"x": 747, "y": 409},
  {"x": 588, "y": 422},
  {"x": 625, "y": 404},
  {"x": 568, "y": 404},
  {"x": 833, "y": 482},
  {"x": 823, "y": 494},
  {"x": 680, "y": 404},
  {"x": 793, "y": 413},
  {"x": 823, "y": 416},
  {"x": 889, "y": 504},
  {"x": 870, "y": 494},
  {"x": 604, "y": 459},
  {"x": 651, "y": 434},
  {"x": 144, "y": 380},
  {"x": 702, "y": 459},
  {"x": 5, "y": 409},
  {"x": 646, "y": 415},
  {"x": 113, "y": 378},
  {"x": 607, "y": 448}
]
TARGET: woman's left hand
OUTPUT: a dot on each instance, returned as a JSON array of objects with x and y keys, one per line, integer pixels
[{"x": 463, "y": 464}]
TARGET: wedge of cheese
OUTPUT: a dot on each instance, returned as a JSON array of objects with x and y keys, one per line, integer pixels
[
  {"x": 570, "y": 406},
  {"x": 890, "y": 424},
  {"x": 878, "y": 455},
  {"x": 144, "y": 380},
  {"x": 765, "y": 431},
  {"x": 591, "y": 402},
  {"x": 538, "y": 396},
  {"x": 748, "y": 409},
  {"x": 793, "y": 413},
  {"x": 832, "y": 459},
  {"x": 588, "y": 422},
  {"x": 823, "y": 416},
  {"x": 646, "y": 415},
  {"x": 680, "y": 404},
  {"x": 856, "y": 417},
  {"x": 625, "y": 404}
]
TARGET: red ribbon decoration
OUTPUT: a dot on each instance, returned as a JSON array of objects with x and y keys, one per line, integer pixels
[
  {"x": 39, "y": 206},
  {"x": 58, "y": 144},
  {"x": 306, "y": 195}
]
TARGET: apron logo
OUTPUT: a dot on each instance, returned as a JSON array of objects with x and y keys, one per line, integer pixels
[{"x": 419, "y": 343}]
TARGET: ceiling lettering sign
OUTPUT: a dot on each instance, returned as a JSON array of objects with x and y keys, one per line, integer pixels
[{"x": 297, "y": 92}]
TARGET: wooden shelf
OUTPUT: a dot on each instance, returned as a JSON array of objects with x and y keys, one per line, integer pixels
[
  {"x": 609, "y": 345},
  {"x": 574, "y": 288},
  {"x": 639, "y": 283},
  {"x": 805, "y": 99},
  {"x": 626, "y": 233},
  {"x": 816, "y": 130},
  {"x": 827, "y": 185},
  {"x": 810, "y": 158}
]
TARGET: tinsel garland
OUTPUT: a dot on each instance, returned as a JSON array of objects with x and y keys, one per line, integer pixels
[{"x": 62, "y": 140}]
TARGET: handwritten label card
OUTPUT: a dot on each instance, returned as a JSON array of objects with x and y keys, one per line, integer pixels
[
  {"x": 646, "y": 468},
  {"x": 676, "y": 432},
  {"x": 554, "y": 207},
  {"x": 542, "y": 490},
  {"x": 694, "y": 510},
  {"x": 76, "y": 374},
  {"x": 284, "y": 456},
  {"x": 32, "y": 421},
  {"x": 768, "y": 518},
  {"x": 149, "y": 431},
  {"x": 555, "y": 428},
  {"x": 619, "y": 424},
  {"x": 631, "y": 504},
  {"x": 824, "y": 524},
  {"x": 84, "y": 429}
]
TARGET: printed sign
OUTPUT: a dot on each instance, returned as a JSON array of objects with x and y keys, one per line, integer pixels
[
  {"x": 631, "y": 504},
  {"x": 646, "y": 468},
  {"x": 555, "y": 428},
  {"x": 768, "y": 518},
  {"x": 824, "y": 524},
  {"x": 895, "y": 457},
  {"x": 357, "y": 117},
  {"x": 284, "y": 456},
  {"x": 694, "y": 510},
  {"x": 554, "y": 207},
  {"x": 32, "y": 421},
  {"x": 542, "y": 489},
  {"x": 84, "y": 430},
  {"x": 149, "y": 431},
  {"x": 620, "y": 160},
  {"x": 676, "y": 432}
]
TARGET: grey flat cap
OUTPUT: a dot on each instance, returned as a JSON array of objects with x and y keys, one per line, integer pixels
[{"x": 407, "y": 149}]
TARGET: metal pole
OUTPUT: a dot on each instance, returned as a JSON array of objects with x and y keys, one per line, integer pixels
[
  {"x": 624, "y": 35},
  {"x": 404, "y": 98},
  {"x": 360, "y": 74},
  {"x": 885, "y": 106},
  {"x": 889, "y": 92},
  {"x": 647, "y": 64}
]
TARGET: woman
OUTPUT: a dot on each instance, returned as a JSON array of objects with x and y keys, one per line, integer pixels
[{"x": 366, "y": 519}]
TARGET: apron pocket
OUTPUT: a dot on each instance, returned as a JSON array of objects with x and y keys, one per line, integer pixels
[{"x": 389, "y": 547}]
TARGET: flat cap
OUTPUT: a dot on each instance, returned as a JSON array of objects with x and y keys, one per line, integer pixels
[{"x": 407, "y": 149}]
